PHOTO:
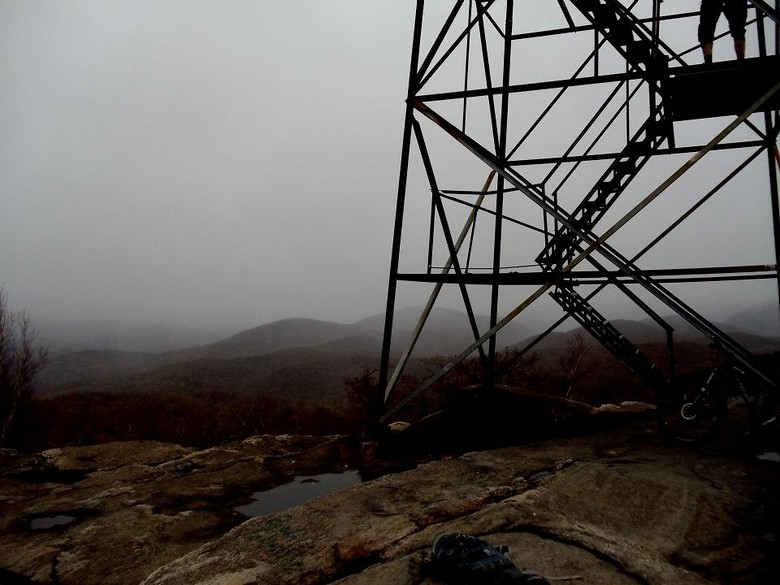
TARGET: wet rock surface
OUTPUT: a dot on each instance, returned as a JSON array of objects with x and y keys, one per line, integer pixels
[
  {"x": 112, "y": 513},
  {"x": 615, "y": 506}
]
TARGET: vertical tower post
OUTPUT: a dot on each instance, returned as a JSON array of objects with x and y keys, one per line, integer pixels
[{"x": 377, "y": 401}]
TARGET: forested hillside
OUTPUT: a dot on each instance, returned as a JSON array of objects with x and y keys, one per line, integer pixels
[{"x": 310, "y": 376}]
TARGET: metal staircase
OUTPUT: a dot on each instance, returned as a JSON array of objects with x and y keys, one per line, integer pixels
[
  {"x": 612, "y": 340},
  {"x": 604, "y": 193},
  {"x": 626, "y": 33}
]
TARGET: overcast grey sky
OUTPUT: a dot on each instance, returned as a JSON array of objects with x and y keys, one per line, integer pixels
[
  {"x": 206, "y": 162},
  {"x": 200, "y": 161}
]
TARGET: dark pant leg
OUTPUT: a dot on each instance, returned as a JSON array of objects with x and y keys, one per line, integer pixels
[
  {"x": 709, "y": 13},
  {"x": 736, "y": 14}
]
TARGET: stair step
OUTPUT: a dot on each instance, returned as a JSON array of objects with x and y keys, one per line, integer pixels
[
  {"x": 621, "y": 32},
  {"x": 639, "y": 147},
  {"x": 607, "y": 335},
  {"x": 605, "y": 16},
  {"x": 588, "y": 5},
  {"x": 658, "y": 128},
  {"x": 638, "y": 50},
  {"x": 607, "y": 187},
  {"x": 596, "y": 204},
  {"x": 625, "y": 167}
]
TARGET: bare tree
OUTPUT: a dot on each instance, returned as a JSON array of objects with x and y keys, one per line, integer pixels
[
  {"x": 362, "y": 395},
  {"x": 571, "y": 363},
  {"x": 20, "y": 361}
]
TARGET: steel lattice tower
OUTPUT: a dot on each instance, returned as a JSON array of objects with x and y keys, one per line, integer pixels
[{"x": 537, "y": 135}]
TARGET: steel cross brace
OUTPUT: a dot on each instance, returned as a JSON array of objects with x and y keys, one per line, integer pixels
[{"x": 594, "y": 243}]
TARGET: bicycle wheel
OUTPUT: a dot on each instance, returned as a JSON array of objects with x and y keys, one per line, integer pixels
[{"x": 693, "y": 415}]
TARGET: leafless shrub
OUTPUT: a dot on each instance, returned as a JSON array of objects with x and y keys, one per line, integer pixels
[
  {"x": 571, "y": 363},
  {"x": 20, "y": 361}
]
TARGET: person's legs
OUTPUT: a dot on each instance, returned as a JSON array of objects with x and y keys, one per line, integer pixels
[
  {"x": 739, "y": 48},
  {"x": 736, "y": 14},
  {"x": 709, "y": 13}
]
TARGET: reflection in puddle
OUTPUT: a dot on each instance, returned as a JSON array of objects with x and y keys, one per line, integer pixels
[
  {"x": 46, "y": 522},
  {"x": 770, "y": 456},
  {"x": 300, "y": 490}
]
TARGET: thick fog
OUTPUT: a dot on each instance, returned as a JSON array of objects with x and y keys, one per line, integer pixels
[{"x": 200, "y": 162}]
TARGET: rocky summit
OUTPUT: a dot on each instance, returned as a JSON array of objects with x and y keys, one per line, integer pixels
[{"x": 613, "y": 506}]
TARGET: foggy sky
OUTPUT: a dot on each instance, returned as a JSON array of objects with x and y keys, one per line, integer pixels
[{"x": 199, "y": 162}]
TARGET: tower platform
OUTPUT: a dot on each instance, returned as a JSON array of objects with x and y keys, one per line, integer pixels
[{"x": 722, "y": 89}]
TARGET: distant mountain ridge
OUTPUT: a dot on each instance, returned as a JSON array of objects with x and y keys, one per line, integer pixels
[
  {"x": 276, "y": 336},
  {"x": 317, "y": 343},
  {"x": 762, "y": 319},
  {"x": 116, "y": 335},
  {"x": 446, "y": 332},
  {"x": 97, "y": 335}
]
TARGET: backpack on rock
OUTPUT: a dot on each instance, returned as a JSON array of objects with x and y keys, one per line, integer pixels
[{"x": 463, "y": 559}]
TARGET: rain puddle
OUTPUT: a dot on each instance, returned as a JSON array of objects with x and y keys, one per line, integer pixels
[
  {"x": 299, "y": 491},
  {"x": 46, "y": 522}
]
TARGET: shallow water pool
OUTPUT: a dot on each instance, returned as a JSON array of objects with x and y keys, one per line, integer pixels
[
  {"x": 46, "y": 522},
  {"x": 300, "y": 490}
]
